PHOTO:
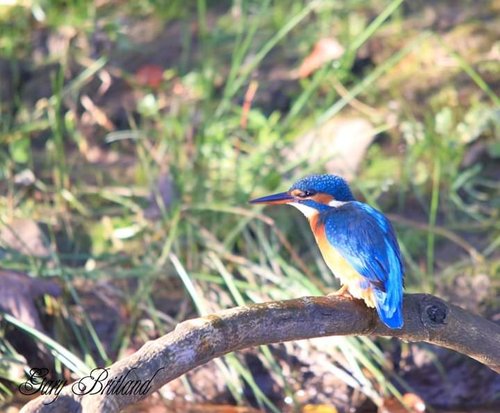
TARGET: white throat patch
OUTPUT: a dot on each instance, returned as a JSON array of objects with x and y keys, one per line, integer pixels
[{"x": 308, "y": 211}]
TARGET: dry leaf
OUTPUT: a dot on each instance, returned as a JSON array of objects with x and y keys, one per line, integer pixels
[
  {"x": 411, "y": 404},
  {"x": 149, "y": 75},
  {"x": 325, "y": 50},
  {"x": 24, "y": 236},
  {"x": 342, "y": 141},
  {"x": 18, "y": 292}
]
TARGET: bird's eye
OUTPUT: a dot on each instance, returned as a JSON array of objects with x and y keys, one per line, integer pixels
[{"x": 306, "y": 194}]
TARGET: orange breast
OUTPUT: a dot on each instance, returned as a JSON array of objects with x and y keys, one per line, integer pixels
[{"x": 339, "y": 265}]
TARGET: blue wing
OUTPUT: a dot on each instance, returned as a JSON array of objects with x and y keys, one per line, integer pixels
[{"x": 366, "y": 239}]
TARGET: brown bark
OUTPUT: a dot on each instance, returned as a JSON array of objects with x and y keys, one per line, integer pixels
[{"x": 194, "y": 342}]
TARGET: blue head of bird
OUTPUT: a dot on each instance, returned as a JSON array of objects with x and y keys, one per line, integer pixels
[{"x": 312, "y": 194}]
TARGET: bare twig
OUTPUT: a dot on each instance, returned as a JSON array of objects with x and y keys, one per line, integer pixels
[{"x": 194, "y": 342}]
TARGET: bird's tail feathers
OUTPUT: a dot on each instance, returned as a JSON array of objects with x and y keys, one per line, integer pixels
[{"x": 389, "y": 309}]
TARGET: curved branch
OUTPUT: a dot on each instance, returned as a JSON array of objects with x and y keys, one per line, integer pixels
[{"x": 196, "y": 341}]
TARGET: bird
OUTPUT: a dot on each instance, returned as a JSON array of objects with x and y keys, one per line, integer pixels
[{"x": 357, "y": 242}]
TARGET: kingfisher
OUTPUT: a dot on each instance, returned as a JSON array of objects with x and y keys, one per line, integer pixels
[{"x": 356, "y": 241}]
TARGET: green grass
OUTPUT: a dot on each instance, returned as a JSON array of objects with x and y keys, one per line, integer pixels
[{"x": 208, "y": 242}]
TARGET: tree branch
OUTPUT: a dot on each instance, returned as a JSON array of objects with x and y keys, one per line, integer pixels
[{"x": 194, "y": 342}]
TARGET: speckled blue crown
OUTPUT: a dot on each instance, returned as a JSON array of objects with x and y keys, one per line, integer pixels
[{"x": 328, "y": 184}]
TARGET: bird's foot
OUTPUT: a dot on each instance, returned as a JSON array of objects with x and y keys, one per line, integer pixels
[{"x": 342, "y": 291}]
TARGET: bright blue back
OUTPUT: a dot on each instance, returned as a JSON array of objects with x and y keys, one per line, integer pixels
[{"x": 366, "y": 239}]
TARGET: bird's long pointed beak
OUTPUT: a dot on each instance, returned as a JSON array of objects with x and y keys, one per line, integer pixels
[{"x": 275, "y": 199}]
